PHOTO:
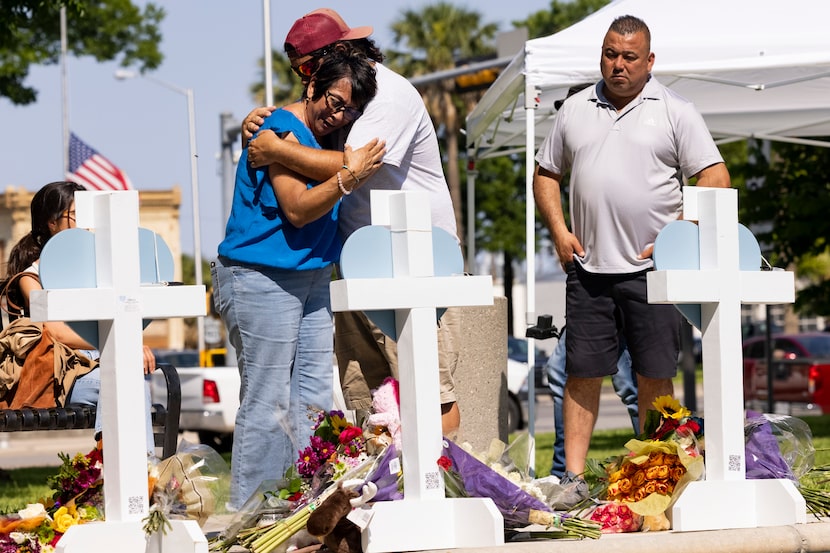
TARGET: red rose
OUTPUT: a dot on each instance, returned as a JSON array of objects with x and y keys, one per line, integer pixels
[
  {"x": 349, "y": 433},
  {"x": 444, "y": 462}
]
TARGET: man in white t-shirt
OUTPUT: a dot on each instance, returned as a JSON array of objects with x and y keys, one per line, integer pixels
[{"x": 412, "y": 162}]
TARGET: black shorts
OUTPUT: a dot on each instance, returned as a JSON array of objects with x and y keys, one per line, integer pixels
[{"x": 601, "y": 310}]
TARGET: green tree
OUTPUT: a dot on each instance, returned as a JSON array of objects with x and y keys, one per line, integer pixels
[
  {"x": 500, "y": 201},
  {"x": 433, "y": 39},
  {"x": 287, "y": 86},
  {"x": 106, "y": 30},
  {"x": 560, "y": 16},
  {"x": 789, "y": 206}
]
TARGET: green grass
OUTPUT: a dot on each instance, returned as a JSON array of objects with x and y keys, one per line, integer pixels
[
  {"x": 24, "y": 486},
  {"x": 28, "y": 484}
]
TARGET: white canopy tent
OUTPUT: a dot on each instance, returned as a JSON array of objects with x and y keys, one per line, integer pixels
[{"x": 754, "y": 69}]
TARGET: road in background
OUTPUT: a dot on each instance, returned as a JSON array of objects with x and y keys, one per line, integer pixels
[{"x": 40, "y": 449}]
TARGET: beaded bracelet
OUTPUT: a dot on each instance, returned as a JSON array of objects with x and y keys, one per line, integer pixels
[
  {"x": 340, "y": 185},
  {"x": 356, "y": 180}
]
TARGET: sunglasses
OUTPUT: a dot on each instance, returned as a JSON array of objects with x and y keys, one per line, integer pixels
[
  {"x": 308, "y": 67},
  {"x": 337, "y": 105}
]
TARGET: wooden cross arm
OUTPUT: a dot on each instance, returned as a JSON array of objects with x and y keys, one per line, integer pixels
[
  {"x": 96, "y": 304},
  {"x": 694, "y": 286},
  {"x": 359, "y": 294}
]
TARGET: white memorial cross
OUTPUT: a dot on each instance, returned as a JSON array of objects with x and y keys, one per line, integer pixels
[
  {"x": 424, "y": 519},
  {"x": 726, "y": 499},
  {"x": 120, "y": 304}
]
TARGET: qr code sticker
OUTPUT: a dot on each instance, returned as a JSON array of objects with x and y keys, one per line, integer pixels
[
  {"x": 432, "y": 480},
  {"x": 735, "y": 463},
  {"x": 135, "y": 505}
]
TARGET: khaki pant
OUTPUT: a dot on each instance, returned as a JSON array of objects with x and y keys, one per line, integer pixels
[{"x": 366, "y": 356}]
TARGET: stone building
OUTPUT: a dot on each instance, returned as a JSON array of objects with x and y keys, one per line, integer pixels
[{"x": 158, "y": 211}]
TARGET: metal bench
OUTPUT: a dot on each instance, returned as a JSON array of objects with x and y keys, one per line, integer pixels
[{"x": 72, "y": 417}]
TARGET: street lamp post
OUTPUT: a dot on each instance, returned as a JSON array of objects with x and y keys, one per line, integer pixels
[{"x": 123, "y": 74}]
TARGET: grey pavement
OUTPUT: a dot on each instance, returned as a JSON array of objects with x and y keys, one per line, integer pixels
[{"x": 29, "y": 449}]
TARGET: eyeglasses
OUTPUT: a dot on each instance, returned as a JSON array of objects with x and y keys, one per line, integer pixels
[
  {"x": 337, "y": 105},
  {"x": 69, "y": 214}
]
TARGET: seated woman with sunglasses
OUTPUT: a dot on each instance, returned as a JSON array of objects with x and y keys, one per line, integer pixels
[
  {"x": 53, "y": 211},
  {"x": 271, "y": 278}
]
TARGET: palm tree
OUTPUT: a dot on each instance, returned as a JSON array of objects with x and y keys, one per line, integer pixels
[
  {"x": 434, "y": 38},
  {"x": 287, "y": 85}
]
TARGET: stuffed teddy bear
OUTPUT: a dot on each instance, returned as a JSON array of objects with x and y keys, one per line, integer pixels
[
  {"x": 383, "y": 426},
  {"x": 328, "y": 522}
]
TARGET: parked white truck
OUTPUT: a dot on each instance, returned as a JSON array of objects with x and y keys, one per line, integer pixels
[{"x": 210, "y": 396}]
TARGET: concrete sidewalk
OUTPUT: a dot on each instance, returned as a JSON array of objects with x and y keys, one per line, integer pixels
[
  {"x": 813, "y": 537},
  {"x": 797, "y": 538}
]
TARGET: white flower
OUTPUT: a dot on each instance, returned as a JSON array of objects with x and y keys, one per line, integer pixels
[
  {"x": 19, "y": 537},
  {"x": 32, "y": 510}
]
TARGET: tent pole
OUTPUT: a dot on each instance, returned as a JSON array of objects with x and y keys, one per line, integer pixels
[
  {"x": 471, "y": 212},
  {"x": 531, "y": 103}
]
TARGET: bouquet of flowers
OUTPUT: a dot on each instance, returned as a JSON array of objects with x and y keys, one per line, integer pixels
[
  {"x": 280, "y": 509},
  {"x": 335, "y": 447},
  {"x": 77, "y": 499},
  {"x": 653, "y": 474},
  {"x": 466, "y": 476}
]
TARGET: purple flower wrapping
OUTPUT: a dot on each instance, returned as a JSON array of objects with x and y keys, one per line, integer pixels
[
  {"x": 384, "y": 478},
  {"x": 481, "y": 481},
  {"x": 763, "y": 456}
]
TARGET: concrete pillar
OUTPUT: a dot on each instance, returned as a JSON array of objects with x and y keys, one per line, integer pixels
[{"x": 480, "y": 378}]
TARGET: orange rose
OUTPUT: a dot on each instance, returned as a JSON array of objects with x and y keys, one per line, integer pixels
[
  {"x": 625, "y": 485},
  {"x": 638, "y": 478},
  {"x": 656, "y": 458}
]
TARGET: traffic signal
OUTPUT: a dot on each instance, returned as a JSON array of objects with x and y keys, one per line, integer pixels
[{"x": 478, "y": 80}]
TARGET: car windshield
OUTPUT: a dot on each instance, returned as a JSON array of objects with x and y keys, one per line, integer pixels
[
  {"x": 817, "y": 346},
  {"x": 517, "y": 350},
  {"x": 181, "y": 358}
]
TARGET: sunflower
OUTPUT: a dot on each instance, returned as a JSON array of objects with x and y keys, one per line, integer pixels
[
  {"x": 670, "y": 408},
  {"x": 338, "y": 422}
]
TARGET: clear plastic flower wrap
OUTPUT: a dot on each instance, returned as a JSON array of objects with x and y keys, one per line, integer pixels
[
  {"x": 193, "y": 483},
  {"x": 777, "y": 446}
]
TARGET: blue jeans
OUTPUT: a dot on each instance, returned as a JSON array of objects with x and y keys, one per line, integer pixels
[
  {"x": 625, "y": 384},
  {"x": 280, "y": 324},
  {"x": 86, "y": 390}
]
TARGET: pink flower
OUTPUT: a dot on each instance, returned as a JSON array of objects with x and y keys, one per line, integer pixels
[{"x": 349, "y": 433}]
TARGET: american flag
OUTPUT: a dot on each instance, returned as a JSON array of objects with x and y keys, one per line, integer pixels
[{"x": 92, "y": 170}]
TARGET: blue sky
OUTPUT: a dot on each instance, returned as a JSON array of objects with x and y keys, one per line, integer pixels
[{"x": 210, "y": 46}]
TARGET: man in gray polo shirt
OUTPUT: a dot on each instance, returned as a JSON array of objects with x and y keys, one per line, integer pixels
[{"x": 627, "y": 142}]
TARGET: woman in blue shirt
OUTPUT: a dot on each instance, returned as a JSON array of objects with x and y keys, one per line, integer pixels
[{"x": 271, "y": 279}]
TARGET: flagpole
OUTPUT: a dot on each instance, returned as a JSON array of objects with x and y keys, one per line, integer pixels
[
  {"x": 267, "y": 59},
  {"x": 122, "y": 74},
  {"x": 64, "y": 92}
]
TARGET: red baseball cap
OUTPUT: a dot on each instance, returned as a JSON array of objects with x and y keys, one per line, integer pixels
[{"x": 320, "y": 28}]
